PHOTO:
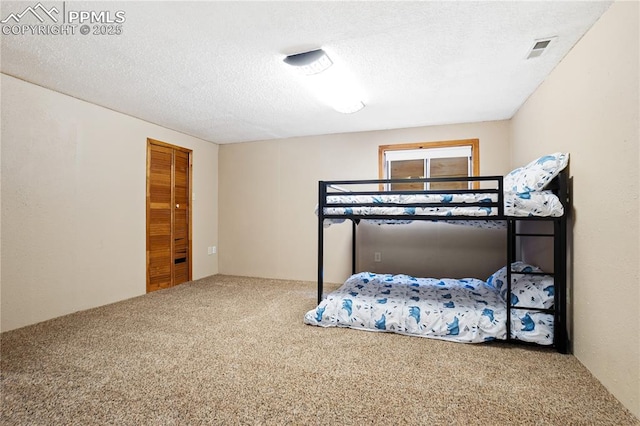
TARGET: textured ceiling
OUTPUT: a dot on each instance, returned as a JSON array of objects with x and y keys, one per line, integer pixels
[{"x": 214, "y": 69}]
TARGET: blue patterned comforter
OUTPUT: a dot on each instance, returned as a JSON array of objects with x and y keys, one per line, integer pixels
[
  {"x": 467, "y": 310},
  {"x": 543, "y": 203}
]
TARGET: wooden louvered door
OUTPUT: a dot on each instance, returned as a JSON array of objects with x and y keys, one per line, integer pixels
[
  {"x": 168, "y": 215},
  {"x": 181, "y": 200}
]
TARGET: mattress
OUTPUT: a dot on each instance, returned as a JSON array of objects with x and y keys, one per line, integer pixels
[
  {"x": 462, "y": 310},
  {"x": 539, "y": 204}
]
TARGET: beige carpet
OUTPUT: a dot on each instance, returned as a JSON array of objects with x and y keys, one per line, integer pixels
[{"x": 231, "y": 350}]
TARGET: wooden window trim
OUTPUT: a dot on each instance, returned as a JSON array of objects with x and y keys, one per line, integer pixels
[{"x": 475, "y": 153}]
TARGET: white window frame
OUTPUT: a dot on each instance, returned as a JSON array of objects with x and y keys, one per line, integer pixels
[{"x": 426, "y": 151}]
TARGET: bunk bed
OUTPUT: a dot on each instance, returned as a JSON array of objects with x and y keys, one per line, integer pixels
[{"x": 518, "y": 303}]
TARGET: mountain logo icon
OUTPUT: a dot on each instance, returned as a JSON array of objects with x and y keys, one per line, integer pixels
[{"x": 38, "y": 11}]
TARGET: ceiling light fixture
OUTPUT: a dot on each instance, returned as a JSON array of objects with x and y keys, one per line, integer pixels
[
  {"x": 329, "y": 81},
  {"x": 309, "y": 63}
]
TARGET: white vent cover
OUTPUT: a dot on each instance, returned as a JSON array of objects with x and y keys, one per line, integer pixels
[{"x": 540, "y": 46}]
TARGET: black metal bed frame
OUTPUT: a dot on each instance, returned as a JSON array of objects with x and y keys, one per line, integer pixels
[{"x": 560, "y": 186}]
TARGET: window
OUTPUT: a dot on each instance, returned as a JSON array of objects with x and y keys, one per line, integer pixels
[{"x": 429, "y": 159}]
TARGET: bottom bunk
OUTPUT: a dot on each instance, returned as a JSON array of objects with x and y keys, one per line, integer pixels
[{"x": 463, "y": 310}]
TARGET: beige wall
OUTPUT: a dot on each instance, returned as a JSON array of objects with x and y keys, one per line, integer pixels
[
  {"x": 73, "y": 204},
  {"x": 1, "y": 211},
  {"x": 268, "y": 191},
  {"x": 589, "y": 106}
]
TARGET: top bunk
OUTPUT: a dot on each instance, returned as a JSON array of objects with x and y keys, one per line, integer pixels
[{"x": 537, "y": 190}]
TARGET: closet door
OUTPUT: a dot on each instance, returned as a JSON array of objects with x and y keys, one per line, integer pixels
[
  {"x": 159, "y": 217},
  {"x": 168, "y": 215},
  {"x": 181, "y": 258}
]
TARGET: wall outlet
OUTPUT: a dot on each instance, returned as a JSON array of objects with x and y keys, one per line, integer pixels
[{"x": 377, "y": 257}]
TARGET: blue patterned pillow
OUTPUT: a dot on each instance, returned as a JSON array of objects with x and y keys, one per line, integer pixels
[
  {"x": 498, "y": 279},
  {"x": 536, "y": 175},
  {"x": 533, "y": 291}
]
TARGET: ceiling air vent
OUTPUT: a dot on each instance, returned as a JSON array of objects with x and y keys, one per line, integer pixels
[{"x": 539, "y": 47}]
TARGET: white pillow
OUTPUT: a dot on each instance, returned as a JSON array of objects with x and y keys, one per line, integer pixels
[
  {"x": 533, "y": 291},
  {"x": 536, "y": 175},
  {"x": 498, "y": 279}
]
